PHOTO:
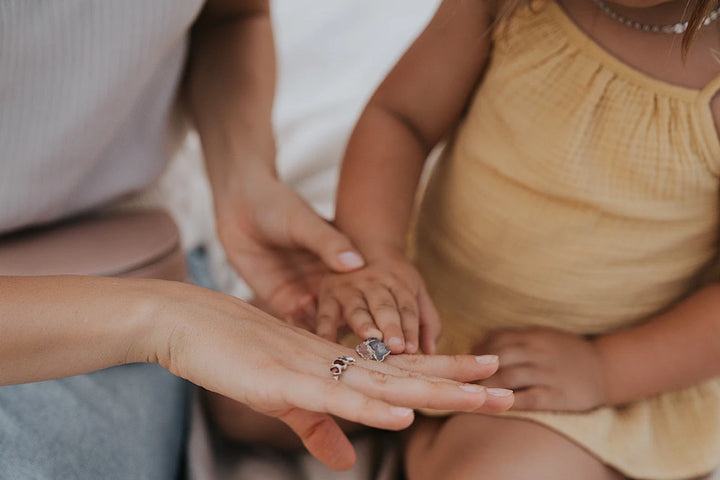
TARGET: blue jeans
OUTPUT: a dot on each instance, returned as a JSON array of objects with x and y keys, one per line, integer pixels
[{"x": 125, "y": 422}]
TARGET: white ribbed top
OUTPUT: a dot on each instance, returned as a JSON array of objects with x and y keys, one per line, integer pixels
[{"x": 86, "y": 92}]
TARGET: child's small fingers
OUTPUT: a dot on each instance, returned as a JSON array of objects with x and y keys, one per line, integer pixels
[
  {"x": 328, "y": 318},
  {"x": 430, "y": 324},
  {"x": 356, "y": 313},
  {"x": 517, "y": 377},
  {"x": 535, "y": 398},
  {"x": 510, "y": 354},
  {"x": 385, "y": 311},
  {"x": 409, "y": 317}
]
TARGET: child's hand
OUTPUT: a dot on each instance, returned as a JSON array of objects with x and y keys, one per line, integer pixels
[
  {"x": 387, "y": 299},
  {"x": 548, "y": 369}
]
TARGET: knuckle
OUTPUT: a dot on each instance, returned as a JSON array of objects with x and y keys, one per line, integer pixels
[
  {"x": 359, "y": 312},
  {"x": 385, "y": 306},
  {"x": 458, "y": 362},
  {"x": 411, "y": 362},
  {"x": 325, "y": 319},
  {"x": 379, "y": 378},
  {"x": 408, "y": 310},
  {"x": 352, "y": 296},
  {"x": 390, "y": 282}
]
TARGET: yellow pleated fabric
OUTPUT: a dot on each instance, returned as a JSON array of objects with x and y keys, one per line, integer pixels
[{"x": 579, "y": 194}]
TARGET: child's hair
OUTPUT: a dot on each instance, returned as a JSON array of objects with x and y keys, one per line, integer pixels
[{"x": 695, "y": 13}]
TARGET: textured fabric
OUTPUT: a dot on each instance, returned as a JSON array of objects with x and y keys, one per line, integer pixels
[
  {"x": 86, "y": 93},
  {"x": 580, "y": 194},
  {"x": 120, "y": 423}
]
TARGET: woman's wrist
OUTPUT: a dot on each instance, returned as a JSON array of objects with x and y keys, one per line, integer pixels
[{"x": 154, "y": 320}]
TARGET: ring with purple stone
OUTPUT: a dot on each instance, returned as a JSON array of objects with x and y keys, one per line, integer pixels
[
  {"x": 339, "y": 365},
  {"x": 373, "y": 349}
]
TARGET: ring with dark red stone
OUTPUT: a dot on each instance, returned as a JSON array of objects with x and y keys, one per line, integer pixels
[
  {"x": 339, "y": 365},
  {"x": 373, "y": 349}
]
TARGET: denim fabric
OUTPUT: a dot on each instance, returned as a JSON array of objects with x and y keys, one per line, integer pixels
[
  {"x": 199, "y": 268},
  {"x": 125, "y": 422}
]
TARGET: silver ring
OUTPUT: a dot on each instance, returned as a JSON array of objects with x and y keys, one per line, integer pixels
[
  {"x": 339, "y": 365},
  {"x": 373, "y": 349}
]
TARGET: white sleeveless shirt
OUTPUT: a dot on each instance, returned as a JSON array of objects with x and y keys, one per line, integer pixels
[{"x": 87, "y": 88}]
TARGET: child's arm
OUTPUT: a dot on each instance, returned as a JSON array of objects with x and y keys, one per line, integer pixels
[
  {"x": 553, "y": 370},
  {"x": 413, "y": 109},
  {"x": 677, "y": 349}
]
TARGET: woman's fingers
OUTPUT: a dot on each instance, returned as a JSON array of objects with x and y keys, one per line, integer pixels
[
  {"x": 324, "y": 395},
  {"x": 416, "y": 391},
  {"x": 385, "y": 312},
  {"x": 328, "y": 318},
  {"x": 461, "y": 368},
  {"x": 310, "y": 231},
  {"x": 322, "y": 436}
]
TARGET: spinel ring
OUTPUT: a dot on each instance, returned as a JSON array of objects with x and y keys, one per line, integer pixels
[
  {"x": 339, "y": 365},
  {"x": 373, "y": 349}
]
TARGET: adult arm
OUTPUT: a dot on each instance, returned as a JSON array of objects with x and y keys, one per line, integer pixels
[
  {"x": 263, "y": 224},
  {"x": 52, "y": 327}
]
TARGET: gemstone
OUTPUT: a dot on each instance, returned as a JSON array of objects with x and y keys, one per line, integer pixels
[
  {"x": 373, "y": 349},
  {"x": 365, "y": 351},
  {"x": 335, "y": 370}
]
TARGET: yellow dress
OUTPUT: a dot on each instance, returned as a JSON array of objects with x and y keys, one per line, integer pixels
[{"x": 580, "y": 194}]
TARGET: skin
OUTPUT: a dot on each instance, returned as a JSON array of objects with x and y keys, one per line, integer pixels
[
  {"x": 413, "y": 110},
  {"x": 52, "y": 327}
]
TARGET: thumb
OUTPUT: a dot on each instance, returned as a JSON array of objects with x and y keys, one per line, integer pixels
[
  {"x": 312, "y": 232},
  {"x": 322, "y": 437}
]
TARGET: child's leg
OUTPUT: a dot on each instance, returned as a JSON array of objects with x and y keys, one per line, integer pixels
[{"x": 468, "y": 447}]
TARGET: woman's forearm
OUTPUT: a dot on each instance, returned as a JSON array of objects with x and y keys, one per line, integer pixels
[
  {"x": 53, "y": 327},
  {"x": 677, "y": 349},
  {"x": 231, "y": 88}
]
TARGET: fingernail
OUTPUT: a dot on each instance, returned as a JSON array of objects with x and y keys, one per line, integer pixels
[
  {"x": 499, "y": 392},
  {"x": 486, "y": 359},
  {"x": 395, "y": 342},
  {"x": 351, "y": 260},
  {"x": 410, "y": 347},
  {"x": 469, "y": 387},
  {"x": 401, "y": 411}
]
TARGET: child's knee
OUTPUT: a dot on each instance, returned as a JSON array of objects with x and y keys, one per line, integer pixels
[
  {"x": 447, "y": 449},
  {"x": 469, "y": 447}
]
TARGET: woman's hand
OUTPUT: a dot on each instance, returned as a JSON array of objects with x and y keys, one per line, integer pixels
[
  {"x": 387, "y": 299},
  {"x": 548, "y": 369},
  {"x": 229, "y": 347},
  {"x": 279, "y": 245}
]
